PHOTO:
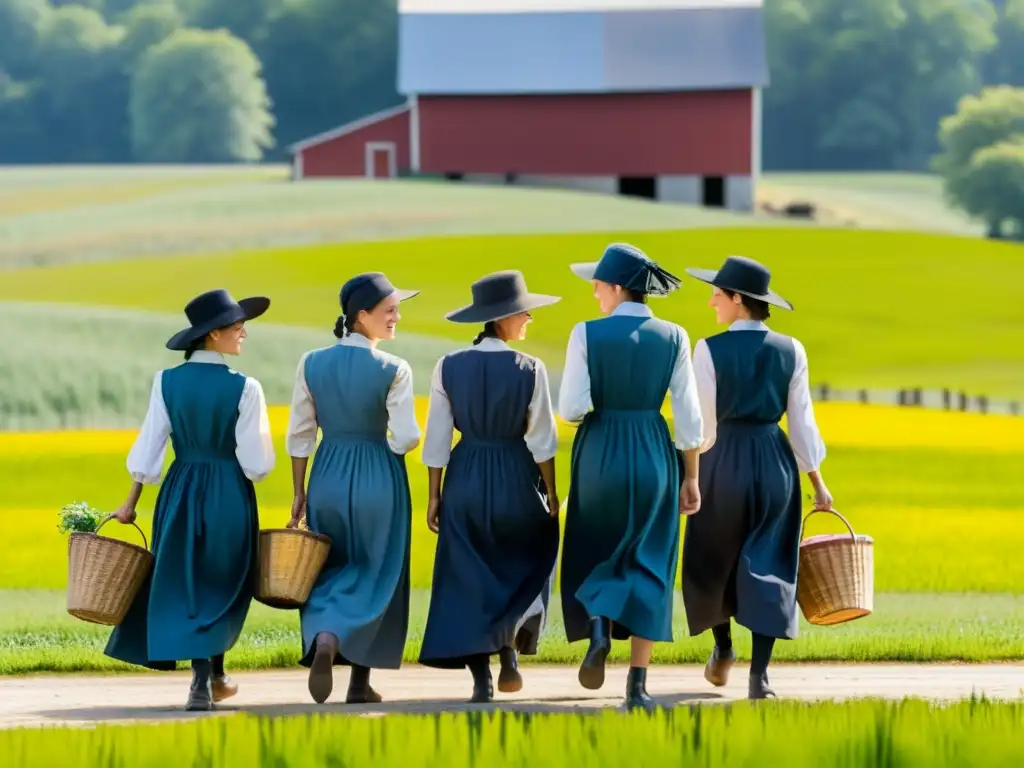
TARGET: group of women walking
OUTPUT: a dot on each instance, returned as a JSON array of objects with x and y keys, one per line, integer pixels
[{"x": 493, "y": 501}]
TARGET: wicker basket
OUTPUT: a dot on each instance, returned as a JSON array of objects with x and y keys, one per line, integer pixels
[
  {"x": 836, "y": 581},
  {"x": 289, "y": 564},
  {"x": 105, "y": 575}
]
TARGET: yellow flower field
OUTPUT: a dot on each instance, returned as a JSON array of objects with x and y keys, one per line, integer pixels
[
  {"x": 842, "y": 425},
  {"x": 941, "y": 493}
]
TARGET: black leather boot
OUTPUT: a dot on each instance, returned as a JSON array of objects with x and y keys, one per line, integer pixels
[
  {"x": 483, "y": 687},
  {"x": 359, "y": 689},
  {"x": 321, "y": 671},
  {"x": 591, "y": 673},
  {"x": 509, "y": 679},
  {"x": 758, "y": 687},
  {"x": 636, "y": 690},
  {"x": 200, "y": 697}
]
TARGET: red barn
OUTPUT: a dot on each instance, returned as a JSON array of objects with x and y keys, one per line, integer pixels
[{"x": 653, "y": 98}]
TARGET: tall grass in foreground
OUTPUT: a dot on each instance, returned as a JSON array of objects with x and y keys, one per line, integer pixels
[{"x": 862, "y": 734}]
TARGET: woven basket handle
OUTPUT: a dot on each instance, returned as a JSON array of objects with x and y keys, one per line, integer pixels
[
  {"x": 108, "y": 518},
  {"x": 830, "y": 512}
]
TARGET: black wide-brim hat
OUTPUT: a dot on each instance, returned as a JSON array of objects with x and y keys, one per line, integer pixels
[
  {"x": 212, "y": 310},
  {"x": 500, "y": 295},
  {"x": 742, "y": 275}
]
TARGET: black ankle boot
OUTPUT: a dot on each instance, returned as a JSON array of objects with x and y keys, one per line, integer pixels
[
  {"x": 200, "y": 697},
  {"x": 509, "y": 679},
  {"x": 591, "y": 673},
  {"x": 483, "y": 686},
  {"x": 758, "y": 687},
  {"x": 636, "y": 690},
  {"x": 359, "y": 689}
]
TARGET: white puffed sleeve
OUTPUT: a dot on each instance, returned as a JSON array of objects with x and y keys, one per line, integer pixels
[
  {"x": 300, "y": 440},
  {"x": 254, "y": 444},
  {"x": 437, "y": 442},
  {"x": 541, "y": 429},
  {"x": 146, "y": 457},
  {"x": 403, "y": 431},
  {"x": 686, "y": 415},
  {"x": 707, "y": 393},
  {"x": 574, "y": 400},
  {"x": 804, "y": 435}
]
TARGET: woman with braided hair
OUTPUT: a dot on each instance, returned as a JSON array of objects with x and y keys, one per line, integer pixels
[
  {"x": 361, "y": 399},
  {"x": 631, "y": 477}
]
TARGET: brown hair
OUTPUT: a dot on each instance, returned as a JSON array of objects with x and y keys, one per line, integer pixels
[{"x": 759, "y": 310}]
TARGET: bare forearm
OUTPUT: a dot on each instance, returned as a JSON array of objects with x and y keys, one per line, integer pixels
[
  {"x": 547, "y": 472},
  {"x": 689, "y": 462},
  {"x": 817, "y": 482},
  {"x": 134, "y": 494},
  {"x": 299, "y": 464},
  {"x": 435, "y": 475}
]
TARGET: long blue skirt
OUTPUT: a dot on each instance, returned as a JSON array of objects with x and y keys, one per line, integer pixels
[
  {"x": 359, "y": 496},
  {"x": 495, "y": 557},
  {"x": 741, "y": 550},
  {"x": 621, "y": 545},
  {"x": 204, "y": 542}
]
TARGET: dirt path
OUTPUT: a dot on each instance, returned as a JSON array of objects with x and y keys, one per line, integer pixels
[{"x": 89, "y": 700}]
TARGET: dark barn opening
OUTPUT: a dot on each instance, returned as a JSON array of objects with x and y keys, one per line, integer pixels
[
  {"x": 453, "y": 177},
  {"x": 713, "y": 194},
  {"x": 637, "y": 186}
]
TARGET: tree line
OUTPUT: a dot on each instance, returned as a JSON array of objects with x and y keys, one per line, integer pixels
[{"x": 855, "y": 84}]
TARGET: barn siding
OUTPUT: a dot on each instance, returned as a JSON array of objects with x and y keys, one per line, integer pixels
[
  {"x": 703, "y": 133},
  {"x": 346, "y": 155}
]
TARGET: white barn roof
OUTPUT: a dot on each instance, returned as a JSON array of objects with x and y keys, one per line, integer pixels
[{"x": 463, "y": 47}]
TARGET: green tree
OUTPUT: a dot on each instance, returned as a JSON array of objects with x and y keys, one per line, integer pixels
[
  {"x": 20, "y": 24},
  {"x": 147, "y": 25},
  {"x": 861, "y": 83},
  {"x": 247, "y": 20},
  {"x": 80, "y": 104},
  {"x": 199, "y": 97},
  {"x": 982, "y": 147},
  {"x": 1005, "y": 64},
  {"x": 329, "y": 62}
]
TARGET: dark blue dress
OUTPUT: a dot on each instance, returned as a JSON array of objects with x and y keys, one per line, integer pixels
[
  {"x": 205, "y": 528},
  {"x": 359, "y": 496},
  {"x": 740, "y": 551},
  {"x": 497, "y": 544},
  {"x": 621, "y": 546}
]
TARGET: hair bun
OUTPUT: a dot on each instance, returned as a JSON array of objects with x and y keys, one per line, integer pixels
[{"x": 340, "y": 331}]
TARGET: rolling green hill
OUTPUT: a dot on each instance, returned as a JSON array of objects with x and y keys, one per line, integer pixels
[
  {"x": 62, "y": 214},
  {"x": 874, "y": 309}
]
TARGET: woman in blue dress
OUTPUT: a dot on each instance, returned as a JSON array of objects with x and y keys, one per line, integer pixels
[
  {"x": 631, "y": 478},
  {"x": 496, "y": 513},
  {"x": 740, "y": 554},
  {"x": 205, "y": 522},
  {"x": 361, "y": 399}
]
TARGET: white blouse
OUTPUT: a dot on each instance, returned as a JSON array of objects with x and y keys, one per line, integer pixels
[
  {"x": 541, "y": 431},
  {"x": 254, "y": 445},
  {"x": 403, "y": 431},
  {"x": 574, "y": 401},
  {"x": 804, "y": 435}
]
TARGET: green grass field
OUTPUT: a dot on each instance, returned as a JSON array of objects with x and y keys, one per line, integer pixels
[
  {"x": 70, "y": 215},
  {"x": 874, "y": 309},
  {"x": 903, "y": 201},
  {"x": 858, "y": 734},
  {"x": 66, "y": 214}
]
